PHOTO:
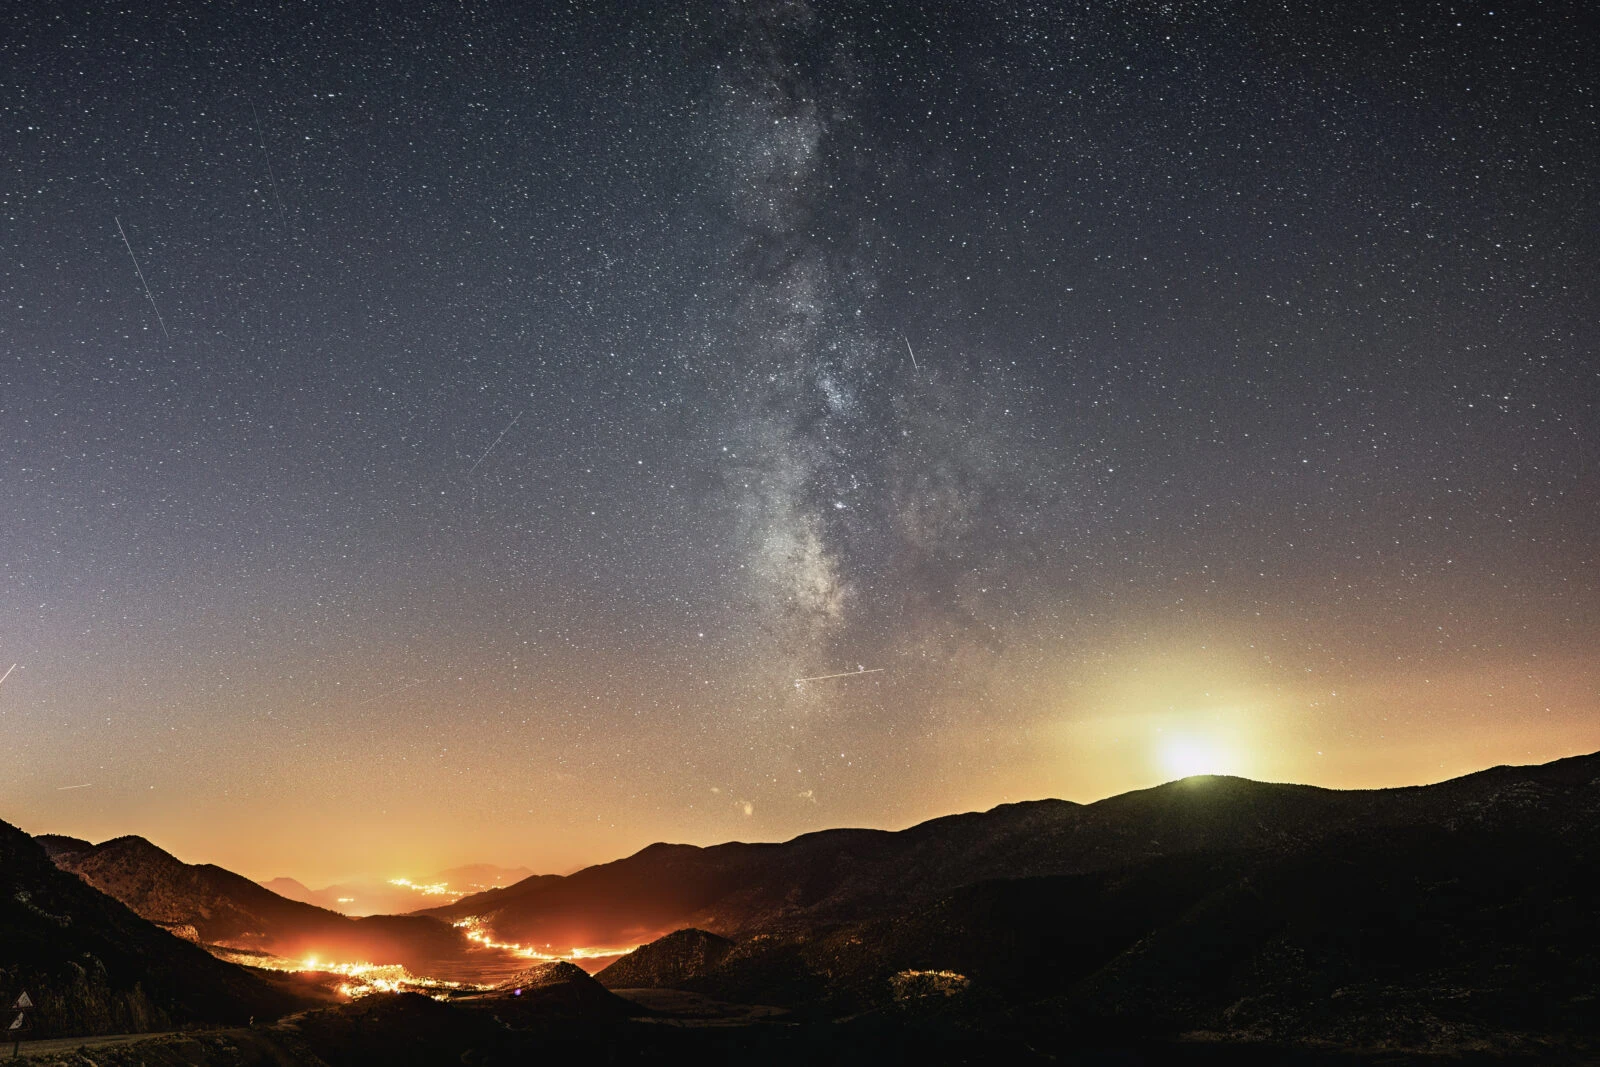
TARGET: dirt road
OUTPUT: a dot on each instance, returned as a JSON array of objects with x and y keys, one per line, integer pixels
[{"x": 69, "y": 1044}]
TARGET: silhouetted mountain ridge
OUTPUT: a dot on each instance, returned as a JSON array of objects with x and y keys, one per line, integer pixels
[
  {"x": 61, "y": 845},
  {"x": 224, "y": 908},
  {"x": 93, "y": 966},
  {"x": 737, "y": 889},
  {"x": 1457, "y": 919},
  {"x": 1447, "y": 919}
]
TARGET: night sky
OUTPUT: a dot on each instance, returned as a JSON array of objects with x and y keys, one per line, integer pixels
[{"x": 444, "y": 433}]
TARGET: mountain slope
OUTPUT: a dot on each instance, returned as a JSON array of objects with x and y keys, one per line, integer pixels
[
  {"x": 668, "y": 962},
  {"x": 1431, "y": 937},
  {"x": 60, "y": 845},
  {"x": 1434, "y": 940},
  {"x": 224, "y": 908},
  {"x": 93, "y": 966},
  {"x": 737, "y": 889}
]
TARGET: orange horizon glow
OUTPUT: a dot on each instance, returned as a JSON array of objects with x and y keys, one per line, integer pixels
[
  {"x": 1161, "y": 708},
  {"x": 1410, "y": 761}
]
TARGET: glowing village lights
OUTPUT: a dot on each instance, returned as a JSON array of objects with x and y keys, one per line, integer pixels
[
  {"x": 432, "y": 889},
  {"x": 472, "y": 927},
  {"x": 361, "y": 979},
  {"x": 368, "y": 978},
  {"x": 364, "y": 978}
]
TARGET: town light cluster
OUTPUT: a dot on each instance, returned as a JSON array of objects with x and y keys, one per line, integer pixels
[{"x": 473, "y": 927}]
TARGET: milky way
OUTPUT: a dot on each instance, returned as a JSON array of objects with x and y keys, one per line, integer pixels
[
  {"x": 875, "y": 507},
  {"x": 449, "y": 437}
]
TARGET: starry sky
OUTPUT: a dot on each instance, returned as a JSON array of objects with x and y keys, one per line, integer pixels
[{"x": 447, "y": 433}]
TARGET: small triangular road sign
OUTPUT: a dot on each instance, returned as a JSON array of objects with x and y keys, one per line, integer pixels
[
  {"x": 24, "y": 1002},
  {"x": 20, "y": 1022}
]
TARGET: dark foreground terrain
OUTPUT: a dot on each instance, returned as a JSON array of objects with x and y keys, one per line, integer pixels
[
  {"x": 1213, "y": 920},
  {"x": 409, "y": 1029}
]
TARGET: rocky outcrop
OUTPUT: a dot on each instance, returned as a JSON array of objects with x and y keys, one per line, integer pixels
[{"x": 668, "y": 962}]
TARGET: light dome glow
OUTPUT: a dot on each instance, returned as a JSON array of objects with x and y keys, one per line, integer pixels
[{"x": 1182, "y": 756}]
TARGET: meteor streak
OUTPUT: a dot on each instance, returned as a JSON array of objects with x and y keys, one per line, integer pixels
[
  {"x": 282, "y": 215},
  {"x": 6, "y": 675},
  {"x": 140, "y": 272},
  {"x": 842, "y": 674},
  {"x": 390, "y": 692},
  {"x": 913, "y": 354},
  {"x": 491, "y": 448}
]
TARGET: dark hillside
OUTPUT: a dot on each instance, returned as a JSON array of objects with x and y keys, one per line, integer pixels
[
  {"x": 224, "y": 908},
  {"x": 835, "y": 876},
  {"x": 93, "y": 966}
]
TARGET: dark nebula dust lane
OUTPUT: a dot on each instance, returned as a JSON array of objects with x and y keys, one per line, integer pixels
[{"x": 519, "y": 433}]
